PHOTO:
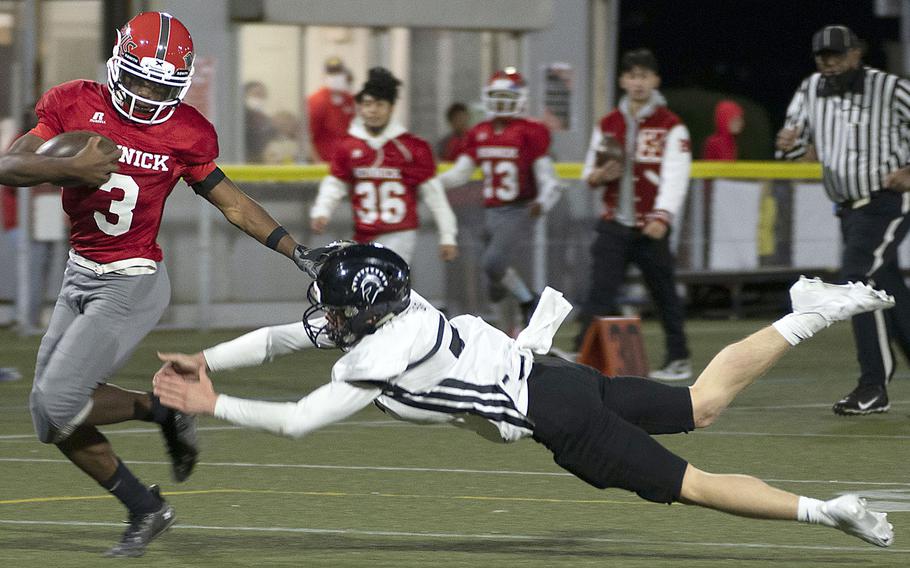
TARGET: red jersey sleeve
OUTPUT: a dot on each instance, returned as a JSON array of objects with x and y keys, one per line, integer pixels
[
  {"x": 200, "y": 150},
  {"x": 340, "y": 165},
  {"x": 537, "y": 140},
  {"x": 424, "y": 165},
  {"x": 470, "y": 144},
  {"x": 48, "y": 110}
]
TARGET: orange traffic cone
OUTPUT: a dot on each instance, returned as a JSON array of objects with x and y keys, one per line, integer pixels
[{"x": 614, "y": 347}]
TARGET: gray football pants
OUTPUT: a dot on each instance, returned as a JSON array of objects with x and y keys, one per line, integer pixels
[
  {"x": 506, "y": 227},
  {"x": 97, "y": 323}
]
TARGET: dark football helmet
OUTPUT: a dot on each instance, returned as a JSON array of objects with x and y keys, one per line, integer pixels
[{"x": 358, "y": 288}]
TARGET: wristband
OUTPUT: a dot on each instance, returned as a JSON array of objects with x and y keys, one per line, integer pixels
[{"x": 275, "y": 236}]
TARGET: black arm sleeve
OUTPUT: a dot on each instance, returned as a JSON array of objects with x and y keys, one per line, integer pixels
[{"x": 203, "y": 187}]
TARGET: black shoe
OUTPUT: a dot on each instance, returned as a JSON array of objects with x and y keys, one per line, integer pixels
[
  {"x": 143, "y": 529},
  {"x": 863, "y": 400},
  {"x": 527, "y": 308},
  {"x": 182, "y": 444}
]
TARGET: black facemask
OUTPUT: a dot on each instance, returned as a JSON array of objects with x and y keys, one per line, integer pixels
[{"x": 851, "y": 81}]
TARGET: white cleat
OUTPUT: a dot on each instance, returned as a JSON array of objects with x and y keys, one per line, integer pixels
[
  {"x": 836, "y": 302},
  {"x": 850, "y": 514}
]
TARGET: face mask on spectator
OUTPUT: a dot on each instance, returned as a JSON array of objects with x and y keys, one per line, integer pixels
[
  {"x": 336, "y": 82},
  {"x": 256, "y": 103}
]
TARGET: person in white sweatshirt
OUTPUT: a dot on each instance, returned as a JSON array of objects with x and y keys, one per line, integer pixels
[{"x": 383, "y": 169}]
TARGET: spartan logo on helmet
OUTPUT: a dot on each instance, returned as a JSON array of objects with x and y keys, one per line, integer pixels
[
  {"x": 127, "y": 44},
  {"x": 370, "y": 281}
]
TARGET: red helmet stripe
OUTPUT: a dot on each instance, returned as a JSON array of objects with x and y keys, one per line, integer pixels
[{"x": 164, "y": 35}]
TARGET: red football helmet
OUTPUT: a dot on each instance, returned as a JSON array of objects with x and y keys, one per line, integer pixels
[
  {"x": 151, "y": 68},
  {"x": 506, "y": 93}
]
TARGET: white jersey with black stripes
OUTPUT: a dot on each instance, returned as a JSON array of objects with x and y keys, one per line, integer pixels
[
  {"x": 418, "y": 367},
  {"x": 464, "y": 372}
]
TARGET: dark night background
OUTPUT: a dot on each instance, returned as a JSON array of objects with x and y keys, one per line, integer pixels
[{"x": 754, "y": 51}]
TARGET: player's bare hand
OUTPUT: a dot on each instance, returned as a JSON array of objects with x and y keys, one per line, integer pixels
[
  {"x": 898, "y": 180},
  {"x": 448, "y": 253},
  {"x": 92, "y": 165},
  {"x": 786, "y": 139},
  {"x": 197, "y": 397},
  {"x": 183, "y": 363},
  {"x": 654, "y": 230},
  {"x": 318, "y": 224},
  {"x": 535, "y": 209}
]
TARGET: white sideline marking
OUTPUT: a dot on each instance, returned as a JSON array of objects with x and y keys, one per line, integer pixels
[
  {"x": 398, "y": 423},
  {"x": 805, "y": 435},
  {"x": 116, "y": 432},
  {"x": 800, "y": 406},
  {"x": 476, "y": 536},
  {"x": 434, "y": 470},
  {"x": 734, "y": 408}
]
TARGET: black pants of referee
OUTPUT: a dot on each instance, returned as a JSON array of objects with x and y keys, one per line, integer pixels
[
  {"x": 614, "y": 248},
  {"x": 871, "y": 235},
  {"x": 599, "y": 428}
]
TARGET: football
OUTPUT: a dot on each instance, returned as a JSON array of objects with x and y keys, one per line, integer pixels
[
  {"x": 609, "y": 149},
  {"x": 68, "y": 144}
]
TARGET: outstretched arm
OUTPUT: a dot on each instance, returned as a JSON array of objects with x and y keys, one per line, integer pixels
[
  {"x": 329, "y": 403},
  {"x": 246, "y": 214},
  {"x": 248, "y": 350},
  {"x": 459, "y": 174},
  {"x": 243, "y": 212}
]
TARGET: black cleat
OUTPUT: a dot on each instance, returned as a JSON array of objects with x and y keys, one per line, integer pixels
[
  {"x": 863, "y": 400},
  {"x": 182, "y": 443},
  {"x": 143, "y": 529}
]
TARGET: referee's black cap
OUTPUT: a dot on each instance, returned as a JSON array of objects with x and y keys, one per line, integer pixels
[{"x": 836, "y": 39}]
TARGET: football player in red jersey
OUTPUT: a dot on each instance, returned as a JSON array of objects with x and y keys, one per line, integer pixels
[
  {"x": 115, "y": 286},
  {"x": 520, "y": 181},
  {"x": 383, "y": 168}
]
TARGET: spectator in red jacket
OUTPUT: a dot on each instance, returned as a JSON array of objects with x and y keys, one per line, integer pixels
[
  {"x": 330, "y": 110},
  {"x": 450, "y": 146},
  {"x": 728, "y": 124}
]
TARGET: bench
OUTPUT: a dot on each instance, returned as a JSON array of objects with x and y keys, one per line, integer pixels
[{"x": 736, "y": 280}]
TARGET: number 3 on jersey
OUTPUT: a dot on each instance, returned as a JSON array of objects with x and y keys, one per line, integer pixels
[
  {"x": 122, "y": 208},
  {"x": 500, "y": 180},
  {"x": 383, "y": 203}
]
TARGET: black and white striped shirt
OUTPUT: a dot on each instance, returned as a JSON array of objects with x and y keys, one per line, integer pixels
[{"x": 860, "y": 136}]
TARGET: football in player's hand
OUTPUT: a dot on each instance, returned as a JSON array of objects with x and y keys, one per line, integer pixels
[
  {"x": 609, "y": 149},
  {"x": 68, "y": 144}
]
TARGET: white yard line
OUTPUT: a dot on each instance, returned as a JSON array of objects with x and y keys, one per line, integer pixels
[
  {"x": 476, "y": 536},
  {"x": 433, "y": 470}
]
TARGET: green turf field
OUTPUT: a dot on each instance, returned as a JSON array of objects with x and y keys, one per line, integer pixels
[{"x": 373, "y": 492}]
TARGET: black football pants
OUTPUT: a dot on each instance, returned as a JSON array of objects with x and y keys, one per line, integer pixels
[
  {"x": 614, "y": 248},
  {"x": 871, "y": 235}
]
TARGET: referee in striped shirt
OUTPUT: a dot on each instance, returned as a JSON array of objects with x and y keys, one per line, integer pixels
[{"x": 856, "y": 121}]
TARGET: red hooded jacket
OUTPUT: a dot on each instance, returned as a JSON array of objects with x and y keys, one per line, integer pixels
[{"x": 721, "y": 145}]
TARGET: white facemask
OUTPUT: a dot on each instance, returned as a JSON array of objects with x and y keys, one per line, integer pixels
[
  {"x": 336, "y": 82},
  {"x": 256, "y": 103}
]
